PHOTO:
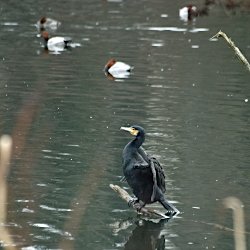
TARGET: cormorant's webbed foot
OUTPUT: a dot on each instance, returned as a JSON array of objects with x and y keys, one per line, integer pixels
[
  {"x": 136, "y": 204},
  {"x": 171, "y": 213},
  {"x": 171, "y": 209}
]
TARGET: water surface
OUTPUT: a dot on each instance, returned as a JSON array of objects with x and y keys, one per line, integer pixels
[{"x": 189, "y": 93}]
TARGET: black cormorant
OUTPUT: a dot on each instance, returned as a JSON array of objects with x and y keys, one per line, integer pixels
[{"x": 144, "y": 173}]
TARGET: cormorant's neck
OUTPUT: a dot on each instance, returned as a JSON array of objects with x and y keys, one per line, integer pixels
[
  {"x": 132, "y": 148},
  {"x": 138, "y": 141}
]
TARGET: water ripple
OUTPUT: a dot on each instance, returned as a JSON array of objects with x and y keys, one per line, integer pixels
[
  {"x": 174, "y": 29},
  {"x": 55, "y": 209},
  {"x": 52, "y": 229}
]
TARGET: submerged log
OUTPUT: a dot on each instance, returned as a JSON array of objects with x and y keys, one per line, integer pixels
[
  {"x": 129, "y": 200},
  {"x": 232, "y": 45}
]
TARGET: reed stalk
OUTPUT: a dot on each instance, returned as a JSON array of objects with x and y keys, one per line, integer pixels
[
  {"x": 5, "y": 155},
  {"x": 238, "y": 217}
]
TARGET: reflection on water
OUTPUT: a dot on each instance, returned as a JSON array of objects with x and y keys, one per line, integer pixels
[
  {"x": 145, "y": 235},
  {"x": 176, "y": 29},
  {"x": 64, "y": 115},
  {"x": 118, "y": 76}
]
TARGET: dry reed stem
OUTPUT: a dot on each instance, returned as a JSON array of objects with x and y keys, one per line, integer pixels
[
  {"x": 126, "y": 197},
  {"x": 5, "y": 151},
  {"x": 5, "y": 154},
  {"x": 238, "y": 217},
  {"x": 80, "y": 204},
  {"x": 236, "y": 49}
]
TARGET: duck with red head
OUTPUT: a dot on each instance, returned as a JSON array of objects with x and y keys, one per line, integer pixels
[
  {"x": 46, "y": 23},
  {"x": 117, "y": 69},
  {"x": 188, "y": 12},
  {"x": 56, "y": 43}
]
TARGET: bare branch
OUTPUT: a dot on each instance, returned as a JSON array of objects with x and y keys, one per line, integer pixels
[
  {"x": 126, "y": 197},
  {"x": 232, "y": 45}
]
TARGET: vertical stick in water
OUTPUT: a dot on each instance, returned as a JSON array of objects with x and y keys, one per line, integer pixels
[
  {"x": 5, "y": 154},
  {"x": 239, "y": 225}
]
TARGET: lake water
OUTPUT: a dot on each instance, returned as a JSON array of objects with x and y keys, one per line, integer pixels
[{"x": 188, "y": 92}]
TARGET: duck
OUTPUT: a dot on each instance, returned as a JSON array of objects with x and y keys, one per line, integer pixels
[
  {"x": 187, "y": 13},
  {"x": 47, "y": 23},
  {"x": 117, "y": 69},
  {"x": 56, "y": 43}
]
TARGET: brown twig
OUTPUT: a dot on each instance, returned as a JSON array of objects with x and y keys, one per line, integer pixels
[
  {"x": 126, "y": 197},
  {"x": 236, "y": 49}
]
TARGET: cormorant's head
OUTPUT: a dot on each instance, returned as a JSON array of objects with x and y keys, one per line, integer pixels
[{"x": 134, "y": 130}]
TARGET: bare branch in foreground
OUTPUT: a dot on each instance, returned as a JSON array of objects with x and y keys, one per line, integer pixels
[
  {"x": 232, "y": 45},
  {"x": 126, "y": 197}
]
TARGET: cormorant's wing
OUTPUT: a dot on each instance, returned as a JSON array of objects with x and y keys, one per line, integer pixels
[
  {"x": 157, "y": 171},
  {"x": 154, "y": 180},
  {"x": 160, "y": 176}
]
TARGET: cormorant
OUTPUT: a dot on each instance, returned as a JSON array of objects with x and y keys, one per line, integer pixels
[{"x": 144, "y": 173}]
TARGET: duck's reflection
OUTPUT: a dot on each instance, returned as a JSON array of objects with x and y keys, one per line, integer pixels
[{"x": 117, "y": 75}]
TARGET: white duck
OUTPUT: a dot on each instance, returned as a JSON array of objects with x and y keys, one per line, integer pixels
[
  {"x": 117, "y": 69},
  {"x": 188, "y": 12},
  {"x": 56, "y": 43},
  {"x": 47, "y": 23}
]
